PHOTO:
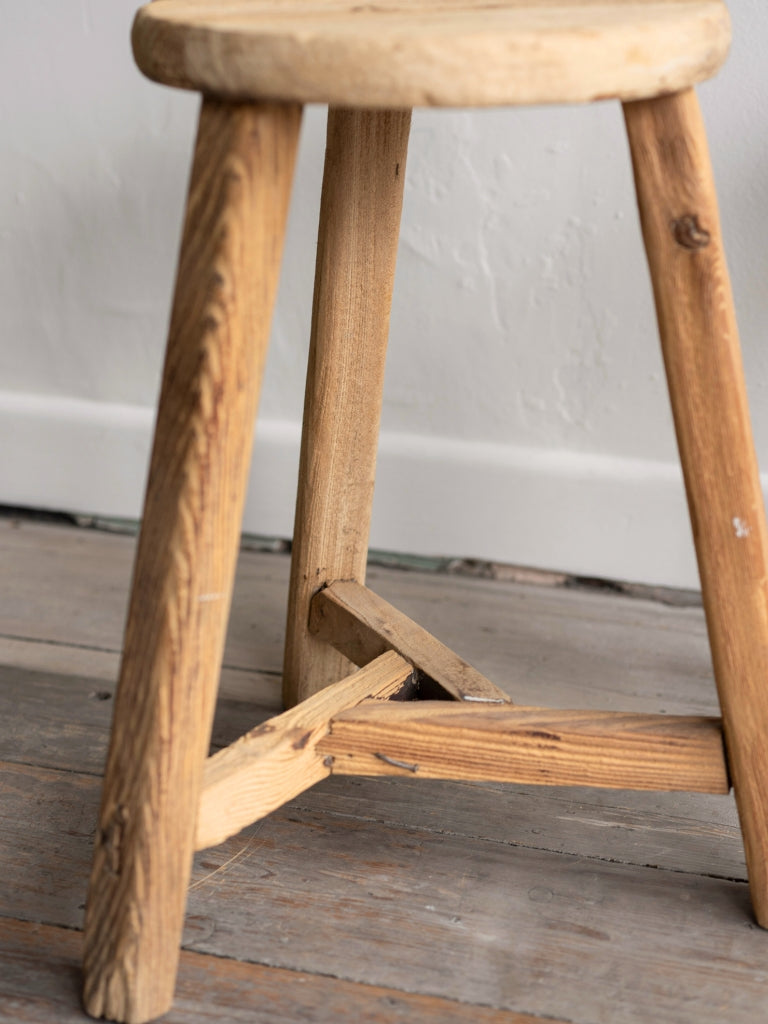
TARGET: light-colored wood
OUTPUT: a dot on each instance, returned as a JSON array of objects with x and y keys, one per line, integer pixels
[
  {"x": 432, "y": 52},
  {"x": 594, "y": 650},
  {"x": 227, "y": 278},
  {"x": 438, "y": 740},
  {"x": 276, "y": 761},
  {"x": 541, "y": 900},
  {"x": 678, "y": 210},
  {"x": 357, "y": 247},
  {"x": 363, "y": 626}
]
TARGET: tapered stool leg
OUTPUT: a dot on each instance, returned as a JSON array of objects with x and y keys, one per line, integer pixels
[
  {"x": 679, "y": 216},
  {"x": 357, "y": 246},
  {"x": 182, "y": 584}
]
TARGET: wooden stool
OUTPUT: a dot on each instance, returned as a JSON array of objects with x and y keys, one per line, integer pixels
[{"x": 255, "y": 63}]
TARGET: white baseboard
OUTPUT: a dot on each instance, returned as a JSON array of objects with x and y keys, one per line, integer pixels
[{"x": 592, "y": 515}]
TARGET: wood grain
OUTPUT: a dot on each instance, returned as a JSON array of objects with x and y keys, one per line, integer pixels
[
  {"x": 545, "y": 933},
  {"x": 45, "y": 861},
  {"x": 357, "y": 247},
  {"x": 435, "y": 740},
  {"x": 423, "y": 908},
  {"x": 362, "y": 625},
  {"x": 546, "y": 645},
  {"x": 275, "y": 762},
  {"x": 72, "y": 587},
  {"x": 39, "y": 985},
  {"x": 484, "y": 892},
  {"x": 511, "y": 884},
  {"x": 694, "y": 305},
  {"x": 432, "y": 52},
  {"x": 62, "y": 720},
  {"x": 227, "y": 278}
]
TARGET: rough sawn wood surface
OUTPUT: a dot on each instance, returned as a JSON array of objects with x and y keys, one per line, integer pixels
[{"x": 381, "y": 899}]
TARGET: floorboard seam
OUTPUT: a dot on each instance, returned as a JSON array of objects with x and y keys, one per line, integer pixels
[
  {"x": 449, "y": 833},
  {"x": 367, "y": 984},
  {"x": 316, "y": 974},
  {"x": 35, "y": 923},
  {"x": 5, "y": 763},
  {"x": 517, "y": 845},
  {"x": 58, "y": 643},
  {"x": 17, "y": 638}
]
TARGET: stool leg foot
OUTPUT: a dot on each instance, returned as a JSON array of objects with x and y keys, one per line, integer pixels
[
  {"x": 680, "y": 222},
  {"x": 357, "y": 246},
  {"x": 186, "y": 557}
]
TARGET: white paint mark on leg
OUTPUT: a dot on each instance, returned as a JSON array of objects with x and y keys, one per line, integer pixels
[{"x": 740, "y": 527}]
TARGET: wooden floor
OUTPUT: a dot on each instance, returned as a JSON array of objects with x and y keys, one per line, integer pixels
[{"x": 389, "y": 900}]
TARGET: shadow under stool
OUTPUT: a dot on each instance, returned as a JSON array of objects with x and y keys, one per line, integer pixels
[{"x": 368, "y": 691}]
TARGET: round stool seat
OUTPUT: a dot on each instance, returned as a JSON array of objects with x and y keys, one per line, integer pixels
[{"x": 442, "y": 53}]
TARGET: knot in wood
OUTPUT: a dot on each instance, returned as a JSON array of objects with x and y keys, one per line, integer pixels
[
  {"x": 111, "y": 839},
  {"x": 689, "y": 234}
]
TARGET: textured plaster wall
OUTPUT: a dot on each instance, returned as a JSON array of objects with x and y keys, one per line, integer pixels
[{"x": 525, "y": 392}]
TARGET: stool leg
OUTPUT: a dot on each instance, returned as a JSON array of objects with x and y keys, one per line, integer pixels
[
  {"x": 679, "y": 216},
  {"x": 227, "y": 277},
  {"x": 357, "y": 246}
]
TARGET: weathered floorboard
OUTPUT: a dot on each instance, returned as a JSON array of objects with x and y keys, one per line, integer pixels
[
  {"x": 492, "y": 893},
  {"x": 70, "y": 587},
  {"x": 62, "y": 721},
  {"x": 696, "y": 833},
  {"x": 545, "y": 645},
  {"x": 515, "y": 928},
  {"x": 558, "y": 645},
  {"x": 40, "y": 984}
]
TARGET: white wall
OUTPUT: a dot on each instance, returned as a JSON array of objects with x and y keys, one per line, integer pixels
[{"x": 525, "y": 419}]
